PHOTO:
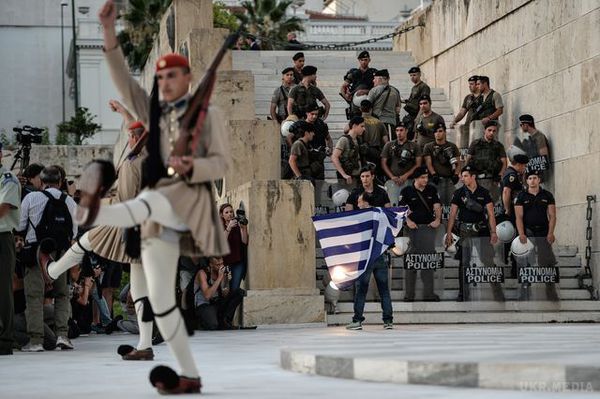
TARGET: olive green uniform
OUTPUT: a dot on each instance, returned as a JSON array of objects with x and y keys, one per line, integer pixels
[
  {"x": 441, "y": 155},
  {"x": 486, "y": 157},
  {"x": 300, "y": 150},
  {"x": 425, "y": 126},
  {"x": 350, "y": 157}
]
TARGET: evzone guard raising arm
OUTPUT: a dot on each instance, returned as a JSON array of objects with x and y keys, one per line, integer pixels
[{"x": 176, "y": 212}]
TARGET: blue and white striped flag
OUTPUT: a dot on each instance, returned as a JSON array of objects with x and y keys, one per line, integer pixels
[{"x": 353, "y": 240}]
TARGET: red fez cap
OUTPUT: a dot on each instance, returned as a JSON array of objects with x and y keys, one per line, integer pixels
[
  {"x": 136, "y": 125},
  {"x": 170, "y": 61}
]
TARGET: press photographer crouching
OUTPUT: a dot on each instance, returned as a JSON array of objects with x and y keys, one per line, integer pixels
[
  {"x": 215, "y": 299},
  {"x": 236, "y": 229}
]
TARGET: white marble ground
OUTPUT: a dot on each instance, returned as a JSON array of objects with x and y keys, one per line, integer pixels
[{"x": 246, "y": 363}]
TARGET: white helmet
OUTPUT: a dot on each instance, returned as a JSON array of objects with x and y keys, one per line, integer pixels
[
  {"x": 519, "y": 250},
  {"x": 340, "y": 197},
  {"x": 400, "y": 246},
  {"x": 358, "y": 99},
  {"x": 514, "y": 150},
  {"x": 505, "y": 231},
  {"x": 285, "y": 127},
  {"x": 451, "y": 249}
]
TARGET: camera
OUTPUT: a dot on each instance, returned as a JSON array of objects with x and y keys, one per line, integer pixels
[
  {"x": 28, "y": 135},
  {"x": 240, "y": 216}
]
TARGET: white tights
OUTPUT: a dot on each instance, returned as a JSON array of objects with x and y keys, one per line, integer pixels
[{"x": 159, "y": 257}]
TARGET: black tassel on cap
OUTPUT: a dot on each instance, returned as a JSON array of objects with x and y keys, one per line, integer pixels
[{"x": 153, "y": 168}]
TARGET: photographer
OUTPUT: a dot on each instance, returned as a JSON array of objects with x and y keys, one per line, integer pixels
[
  {"x": 46, "y": 219},
  {"x": 236, "y": 229},
  {"x": 215, "y": 299}
]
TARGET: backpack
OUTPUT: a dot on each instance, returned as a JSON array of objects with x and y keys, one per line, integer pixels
[{"x": 56, "y": 223}]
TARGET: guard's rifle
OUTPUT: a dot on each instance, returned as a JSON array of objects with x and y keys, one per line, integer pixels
[{"x": 195, "y": 115}]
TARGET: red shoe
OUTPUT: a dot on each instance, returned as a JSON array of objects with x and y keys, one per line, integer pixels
[{"x": 167, "y": 382}]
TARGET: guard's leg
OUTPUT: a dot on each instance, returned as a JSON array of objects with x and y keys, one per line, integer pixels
[
  {"x": 72, "y": 257},
  {"x": 159, "y": 258},
  {"x": 148, "y": 205},
  {"x": 139, "y": 294}
]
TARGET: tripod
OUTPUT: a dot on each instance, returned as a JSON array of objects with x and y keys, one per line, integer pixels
[{"x": 23, "y": 155}]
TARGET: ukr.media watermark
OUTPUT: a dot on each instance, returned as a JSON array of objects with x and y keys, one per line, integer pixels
[{"x": 556, "y": 386}]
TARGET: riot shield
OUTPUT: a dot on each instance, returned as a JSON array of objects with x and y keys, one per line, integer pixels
[
  {"x": 481, "y": 272},
  {"x": 538, "y": 275},
  {"x": 423, "y": 264}
]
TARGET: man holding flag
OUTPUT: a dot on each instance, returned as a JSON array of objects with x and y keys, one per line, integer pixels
[{"x": 353, "y": 246}]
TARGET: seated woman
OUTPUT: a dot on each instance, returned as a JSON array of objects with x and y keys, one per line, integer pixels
[{"x": 215, "y": 301}]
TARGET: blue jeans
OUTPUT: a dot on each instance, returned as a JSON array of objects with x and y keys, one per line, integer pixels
[
  {"x": 238, "y": 273},
  {"x": 102, "y": 306},
  {"x": 379, "y": 269}
]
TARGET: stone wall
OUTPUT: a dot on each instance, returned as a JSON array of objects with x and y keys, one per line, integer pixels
[
  {"x": 543, "y": 56},
  {"x": 71, "y": 157}
]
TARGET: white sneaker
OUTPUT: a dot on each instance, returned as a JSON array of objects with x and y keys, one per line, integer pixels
[
  {"x": 32, "y": 348},
  {"x": 64, "y": 343}
]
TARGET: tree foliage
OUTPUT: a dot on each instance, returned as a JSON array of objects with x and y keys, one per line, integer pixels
[
  {"x": 266, "y": 19},
  {"x": 80, "y": 127},
  {"x": 142, "y": 26},
  {"x": 222, "y": 18}
]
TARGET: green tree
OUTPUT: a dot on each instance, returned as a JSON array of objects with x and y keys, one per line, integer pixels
[
  {"x": 142, "y": 25},
  {"x": 80, "y": 127},
  {"x": 267, "y": 20},
  {"x": 222, "y": 18}
]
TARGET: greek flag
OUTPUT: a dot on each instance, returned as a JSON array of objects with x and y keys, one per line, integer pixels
[{"x": 352, "y": 240}]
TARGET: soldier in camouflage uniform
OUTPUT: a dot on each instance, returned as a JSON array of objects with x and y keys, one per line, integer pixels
[{"x": 488, "y": 157}]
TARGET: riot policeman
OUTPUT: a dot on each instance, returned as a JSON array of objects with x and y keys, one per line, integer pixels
[
  {"x": 488, "y": 157},
  {"x": 472, "y": 212},
  {"x": 443, "y": 162},
  {"x": 399, "y": 159},
  {"x": 512, "y": 185},
  {"x": 535, "y": 211},
  {"x": 422, "y": 222}
]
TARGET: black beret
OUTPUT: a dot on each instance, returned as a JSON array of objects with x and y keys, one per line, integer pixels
[
  {"x": 425, "y": 97},
  {"x": 401, "y": 124},
  {"x": 364, "y": 54},
  {"x": 473, "y": 78},
  {"x": 297, "y": 56},
  {"x": 312, "y": 107},
  {"x": 533, "y": 172},
  {"x": 469, "y": 168},
  {"x": 414, "y": 70},
  {"x": 382, "y": 72},
  {"x": 286, "y": 70},
  {"x": 420, "y": 171},
  {"x": 492, "y": 122},
  {"x": 521, "y": 158},
  {"x": 309, "y": 70},
  {"x": 366, "y": 103},
  {"x": 440, "y": 125},
  {"x": 526, "y": 118}
]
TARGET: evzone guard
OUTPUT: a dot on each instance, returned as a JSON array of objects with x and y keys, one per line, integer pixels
[{"x": 186, "y": 152}]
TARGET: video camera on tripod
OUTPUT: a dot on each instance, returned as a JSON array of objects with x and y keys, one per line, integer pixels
[{"x": 26, "y": 136}]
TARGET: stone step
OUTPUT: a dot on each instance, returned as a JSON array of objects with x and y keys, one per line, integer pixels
[
  {"x": 475, "y": 317},
  {"x": 566, "y": 294},
  {"x": 474, "y": 306}
]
